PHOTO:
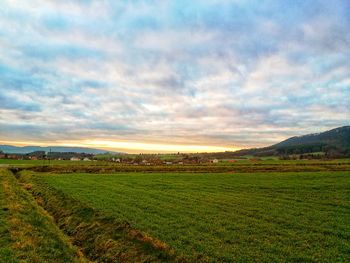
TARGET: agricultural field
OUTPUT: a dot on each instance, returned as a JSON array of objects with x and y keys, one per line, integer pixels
[
  {"x": 244, "y": 166},
  {"x": 13, "y": 162},
  {"x": 258, "y": 215},
  {"x": 38, "y": 163},
  {"x": 226, "y": 217}
]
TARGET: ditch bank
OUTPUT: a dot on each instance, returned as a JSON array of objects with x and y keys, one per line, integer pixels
[
  {"x": 28, "y": 233},
  {"x": 100, "y": 238}
]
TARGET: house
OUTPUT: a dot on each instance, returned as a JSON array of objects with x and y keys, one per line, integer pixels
[
  {"x": 192, "y": 160},
  {"x": 215, "y": 161},
  {"x": 156, "y": 161},
  {"x": 75, "y": 159},
  {"x": 86, "y": 159},
  {"x": 37, "y": 155},
  {"x": 14, "y": 156}
]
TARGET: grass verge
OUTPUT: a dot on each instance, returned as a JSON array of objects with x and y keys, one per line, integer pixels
[
  {"x": 28, "y": 234},
  {"x": 6, "y": 252}
]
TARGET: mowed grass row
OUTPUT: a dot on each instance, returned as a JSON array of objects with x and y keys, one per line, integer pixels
[
  {"x": 264, "y": 217},
  {"x": 6, "y": 252},
  {"x": 27, "y": 233}
]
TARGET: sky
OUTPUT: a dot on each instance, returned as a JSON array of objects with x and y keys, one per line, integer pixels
[{"x": 158, "y": 76}]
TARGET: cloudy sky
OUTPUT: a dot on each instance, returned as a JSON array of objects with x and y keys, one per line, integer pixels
[{"x": 199, "y": 75}]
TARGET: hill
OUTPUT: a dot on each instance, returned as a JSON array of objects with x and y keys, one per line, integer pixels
[
  {"x": 338, "y": 137},
  {"x": 29, "y": 149},
  {"x": 335, "y": 142}
]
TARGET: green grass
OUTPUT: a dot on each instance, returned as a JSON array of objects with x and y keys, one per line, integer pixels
[
  {"x": 6, "y": 252},
  {"x": 108, "y": 156},
  {"x": 14, "y": 162},
  {"x": 101, "y": 238},
  {"x": 261, "y": 217},
  {"x": 275, "y": 160},
  {"x": 27, "y": 233},
  {"x": 241, "y": 164},
  {"x": 170, "y": 157},
  {"x": 38, "y": 162},
  {"x": 243, "y": 167}
]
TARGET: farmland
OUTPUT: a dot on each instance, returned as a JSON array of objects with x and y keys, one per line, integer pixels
[
  {"x": 27, "y": 233},
  {"x": 271, "y": 211},
  {"x": 245, "y": 166},
  {"x": 13, "y": 162}
]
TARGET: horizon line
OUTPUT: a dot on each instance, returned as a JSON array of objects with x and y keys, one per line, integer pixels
[{"x": 126, "y": 146}]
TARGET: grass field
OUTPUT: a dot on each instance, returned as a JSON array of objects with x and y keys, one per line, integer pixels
[
  {"x": 27, "y": 233},
  {"x": 264, "y": 161},
  {"x": 46, "y": 162},
  {"x": 6, "y": 252},
  {"x": 245, "y": 166},
  {"x": 260, "y": 217}
]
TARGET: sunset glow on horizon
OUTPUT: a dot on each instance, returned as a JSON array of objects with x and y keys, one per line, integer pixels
[{"x": 127, "y": 147}]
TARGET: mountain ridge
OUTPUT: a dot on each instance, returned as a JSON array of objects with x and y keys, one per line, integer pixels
[
  {"x": 335, "y": 141},
  {"x": 333, "y": 136}
]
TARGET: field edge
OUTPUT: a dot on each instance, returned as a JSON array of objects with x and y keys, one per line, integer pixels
[
  {"x": 32, "y": 234},
  {"x": 99, "y": 237}
]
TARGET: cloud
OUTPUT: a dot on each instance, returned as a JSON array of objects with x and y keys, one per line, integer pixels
[
  {"x": 213, "y": 72},
  {"x": 11, "y": 102}
]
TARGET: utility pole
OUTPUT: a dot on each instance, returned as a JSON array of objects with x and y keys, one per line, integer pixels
[{"x": 49, "y": 156}]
